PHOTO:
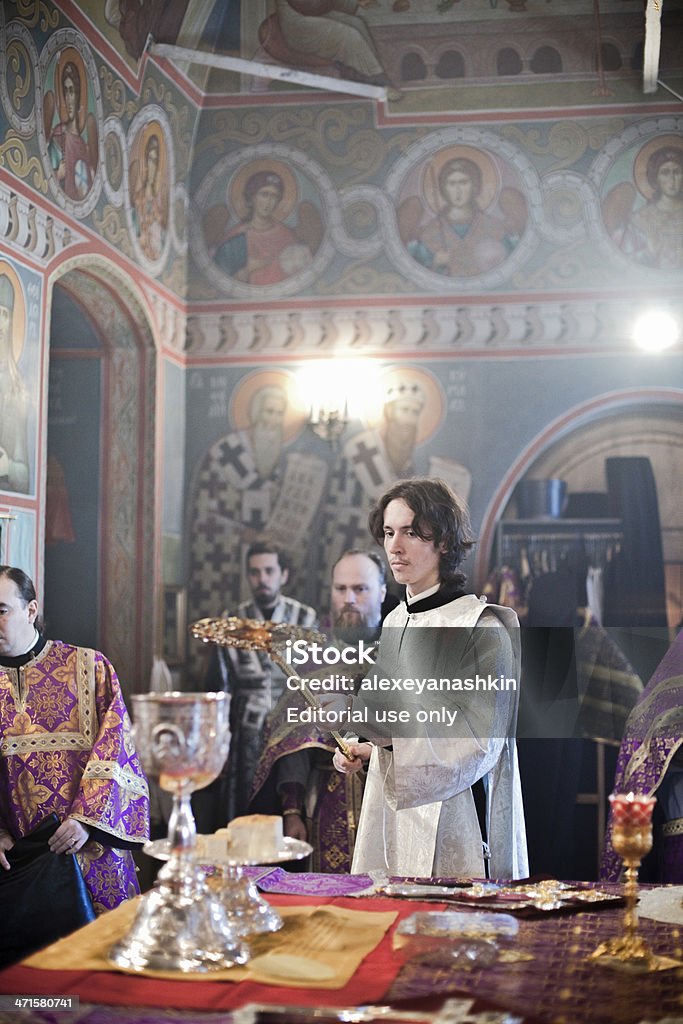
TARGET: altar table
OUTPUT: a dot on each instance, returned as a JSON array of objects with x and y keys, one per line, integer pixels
[{"x": 555, "y": 983}]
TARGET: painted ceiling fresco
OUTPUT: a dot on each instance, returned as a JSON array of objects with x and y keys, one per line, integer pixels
[{"x": 424, "y": 50}]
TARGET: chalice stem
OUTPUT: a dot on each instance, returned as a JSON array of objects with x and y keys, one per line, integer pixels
[
  {"x": 180, "y": 874},
  {"x": 631, "y": 894},
  {"x": 182, "y": 830}
]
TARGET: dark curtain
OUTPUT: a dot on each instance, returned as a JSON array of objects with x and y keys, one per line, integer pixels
[{"x": 634, "y": 593}]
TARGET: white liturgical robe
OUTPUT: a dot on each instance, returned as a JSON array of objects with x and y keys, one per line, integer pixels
[{"x": 418, "y": 816}]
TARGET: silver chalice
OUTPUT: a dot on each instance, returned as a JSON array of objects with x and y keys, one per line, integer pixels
[{"x": 182, "y": 740}]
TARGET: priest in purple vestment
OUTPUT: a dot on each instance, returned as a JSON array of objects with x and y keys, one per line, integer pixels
[
  {"x": 66, "y": 746},
  {"x": 651, "y": 762}
]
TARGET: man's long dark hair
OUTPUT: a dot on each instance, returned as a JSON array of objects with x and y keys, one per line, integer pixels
[{"x": 439, "y": 516}]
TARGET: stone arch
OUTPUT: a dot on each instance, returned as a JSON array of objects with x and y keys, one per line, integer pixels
[
  {"x": 126, "y": 554},
  {"x": 578, "y": 434}
]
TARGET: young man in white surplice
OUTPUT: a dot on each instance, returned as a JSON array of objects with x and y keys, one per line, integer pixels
[{"x": 452, "y": 689}]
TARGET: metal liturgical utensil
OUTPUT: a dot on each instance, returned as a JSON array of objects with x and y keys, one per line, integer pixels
[{"x": 271, "y": 638}]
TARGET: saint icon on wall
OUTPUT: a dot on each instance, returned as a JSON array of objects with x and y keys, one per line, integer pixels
[
  {"x": 394, "y": 445},
  {"x": 265, "y": 232},
  {"x": 461, "y": 212},
  {"x": 14, "y": 402},
  {"x": 253, "y": 481},
  {"x": 644, "y": 216},
  {"x": 149, "y": 191},
  {"x": 70, "y": 127}
]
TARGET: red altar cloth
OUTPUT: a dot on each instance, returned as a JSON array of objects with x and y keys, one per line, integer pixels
[
  {"x": 369, "y": 984},
  {"x": 558, "y": 984}
]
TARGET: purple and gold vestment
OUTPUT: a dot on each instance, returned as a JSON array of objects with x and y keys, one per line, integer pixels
[
  {"x": 66, "y": 746},
  {"x": 650, "y": 761},
  {"x": 331, "y": 801}
]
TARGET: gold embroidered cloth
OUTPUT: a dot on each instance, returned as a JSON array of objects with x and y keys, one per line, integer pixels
[{"x": 319, "y": 947}]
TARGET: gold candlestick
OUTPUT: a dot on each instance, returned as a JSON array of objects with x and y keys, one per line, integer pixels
[{"x": 632, "y": 840}]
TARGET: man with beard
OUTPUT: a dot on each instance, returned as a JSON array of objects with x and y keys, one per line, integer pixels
[
  {"x": 397, "y": 439},
  {"x": 254, "y": 682},
  {"x": 295, "y": 776},
  {"x": 378, "y": 457},
  {"x": 236, "y": 490}
]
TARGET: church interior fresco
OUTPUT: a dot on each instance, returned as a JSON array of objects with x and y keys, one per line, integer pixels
[
  {"x": 268, "y": 473},
  {"x": 558, "y": 205},
  {"x": 563, "y": 206},
  {"x": 524, "y": 48},
  {"x": 106, "y": 154},
  {"x": 562, "y": 238}
]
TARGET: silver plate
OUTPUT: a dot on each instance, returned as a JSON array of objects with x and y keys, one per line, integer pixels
[{"x": 293, "y": 849}]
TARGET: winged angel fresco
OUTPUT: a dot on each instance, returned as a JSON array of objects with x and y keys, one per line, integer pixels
[
  {"x": 650, "y": 229},
  {"x": 262, "y": 235},
  {"x": 73, "y": 139},
  {"x": 461, "y": 223}
]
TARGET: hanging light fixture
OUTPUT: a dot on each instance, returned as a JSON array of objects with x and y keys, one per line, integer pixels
[{"x": 335, "y": 392}]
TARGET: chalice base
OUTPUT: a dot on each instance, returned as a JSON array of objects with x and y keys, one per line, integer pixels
[
  {"x": 180, "y": 926},
  {"x": 627, "y": 953},
  {"x": 245, "y": 907}
]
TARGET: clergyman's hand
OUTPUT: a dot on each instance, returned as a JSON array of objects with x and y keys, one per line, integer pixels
[
  {"x": 361, "y": 753},
  {"x": 69, "y": 837},
  {"x": 6, "y": 843},
  {"x": 294, "y": 826}
]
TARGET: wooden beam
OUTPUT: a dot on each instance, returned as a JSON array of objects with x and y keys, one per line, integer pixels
[
  {"x": 653, "y": 38},
  {"x": 271, "y": 71}
]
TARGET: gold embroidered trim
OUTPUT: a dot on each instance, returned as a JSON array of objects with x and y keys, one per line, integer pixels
[
  {"x": 114, "y": 771},
  {"x": 85, "y": 696},
  {"x": 43, "y": 741},
  {"x": 673, "y": 828},
  {"x": 641, "y": 710},
  {"x": 670, "y": 724},
  {"x": 85, "y": 678},
  {"x": 18, "y": 692}
]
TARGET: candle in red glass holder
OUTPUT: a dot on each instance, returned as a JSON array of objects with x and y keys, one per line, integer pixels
[
  {"x": 632, "y": 839},
  {"x": 632, "y": 810},
  {"x": 632, "y": 825}
]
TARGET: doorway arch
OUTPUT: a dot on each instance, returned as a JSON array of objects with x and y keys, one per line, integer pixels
[
  {"x": 596, "y": 428},
  {"x": 124, "y": 554}
]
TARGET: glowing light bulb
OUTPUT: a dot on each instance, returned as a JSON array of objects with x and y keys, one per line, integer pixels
[{"x": 655, "y": 331}]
